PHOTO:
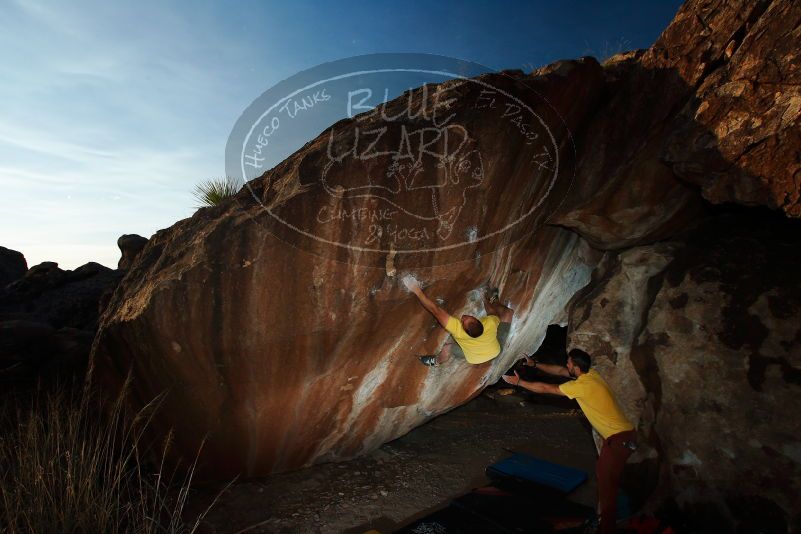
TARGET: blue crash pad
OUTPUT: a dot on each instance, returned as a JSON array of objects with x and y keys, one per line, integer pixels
[{"x": 530, "y": 469}]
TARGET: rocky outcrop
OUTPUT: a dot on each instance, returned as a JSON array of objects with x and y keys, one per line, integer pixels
[
  {"x": 700, "y": 337},
  {"x": 12, "y": 266},
  {"x": 715, "y": 102},
  {"x": 58, "y": 297},
  {"x": 130, "y": 247},
  {"x": 739, "y": 135},
  {"x": 48, "y": 318}
]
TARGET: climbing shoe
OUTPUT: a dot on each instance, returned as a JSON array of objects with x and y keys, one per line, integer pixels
[{"x": 430, "y": 360}]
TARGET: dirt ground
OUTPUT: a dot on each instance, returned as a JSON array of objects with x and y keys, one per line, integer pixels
[{"x": 415, "y": 474}]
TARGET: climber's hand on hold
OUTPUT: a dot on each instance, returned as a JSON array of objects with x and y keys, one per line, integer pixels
[{"x": 411, "y": 284}]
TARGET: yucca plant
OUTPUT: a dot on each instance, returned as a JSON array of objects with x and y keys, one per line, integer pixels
[{"x": 213, "y": 191}]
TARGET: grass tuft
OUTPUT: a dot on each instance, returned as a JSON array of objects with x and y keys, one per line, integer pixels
[{"x": 65, "y": 468}]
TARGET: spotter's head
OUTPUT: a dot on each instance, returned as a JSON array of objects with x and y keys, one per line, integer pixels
[{"x": 578, "y": 362}]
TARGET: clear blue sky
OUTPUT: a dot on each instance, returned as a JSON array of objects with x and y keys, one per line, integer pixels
[{"x": 111, "y": 112}]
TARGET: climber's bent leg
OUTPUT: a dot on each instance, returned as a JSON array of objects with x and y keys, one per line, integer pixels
[
  {"x": 496, "y": 308},
  {"x": 503, "y": 333}
]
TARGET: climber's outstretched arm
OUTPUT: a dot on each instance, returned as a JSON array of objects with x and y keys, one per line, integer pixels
[{"x": 441, "y": 315}]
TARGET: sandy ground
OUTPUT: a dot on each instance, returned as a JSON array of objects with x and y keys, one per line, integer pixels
[{"x": 415, "y": 474}]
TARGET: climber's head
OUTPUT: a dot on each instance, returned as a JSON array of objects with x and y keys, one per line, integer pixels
[
  {"x": 472, "y": 326},
  {"x": 578, "y": 362}
]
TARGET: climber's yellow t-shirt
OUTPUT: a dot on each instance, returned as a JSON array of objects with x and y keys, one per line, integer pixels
[
  {"x": 597, "y": 402},
  {"x": 477, "y": 349}
]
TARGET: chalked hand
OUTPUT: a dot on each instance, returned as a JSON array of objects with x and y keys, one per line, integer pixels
[{"x": 410, "y": 283}]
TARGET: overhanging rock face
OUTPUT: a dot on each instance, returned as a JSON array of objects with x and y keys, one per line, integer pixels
[{"x": 292, "y": 359}]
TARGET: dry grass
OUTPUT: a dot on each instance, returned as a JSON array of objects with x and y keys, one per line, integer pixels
[{"x": 64, "y": 468}]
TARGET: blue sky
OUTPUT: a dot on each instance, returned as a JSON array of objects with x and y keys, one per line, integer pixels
[{"x": 111, "y": 112}]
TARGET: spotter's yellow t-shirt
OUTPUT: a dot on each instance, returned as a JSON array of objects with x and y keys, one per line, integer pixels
[
  {"x": 597, "y": 402},
  {"x": 477, "y": 349}
]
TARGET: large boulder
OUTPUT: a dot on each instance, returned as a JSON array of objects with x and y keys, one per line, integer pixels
[
  {"x": 12, "y": 266},
  {"x": 283, "y": 351},
  {"x": 283, "y": 348},
  {"x": 700, "y": 338}
]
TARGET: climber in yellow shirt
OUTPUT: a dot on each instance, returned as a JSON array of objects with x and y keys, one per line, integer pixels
[{"x": 477, "y": 340}]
